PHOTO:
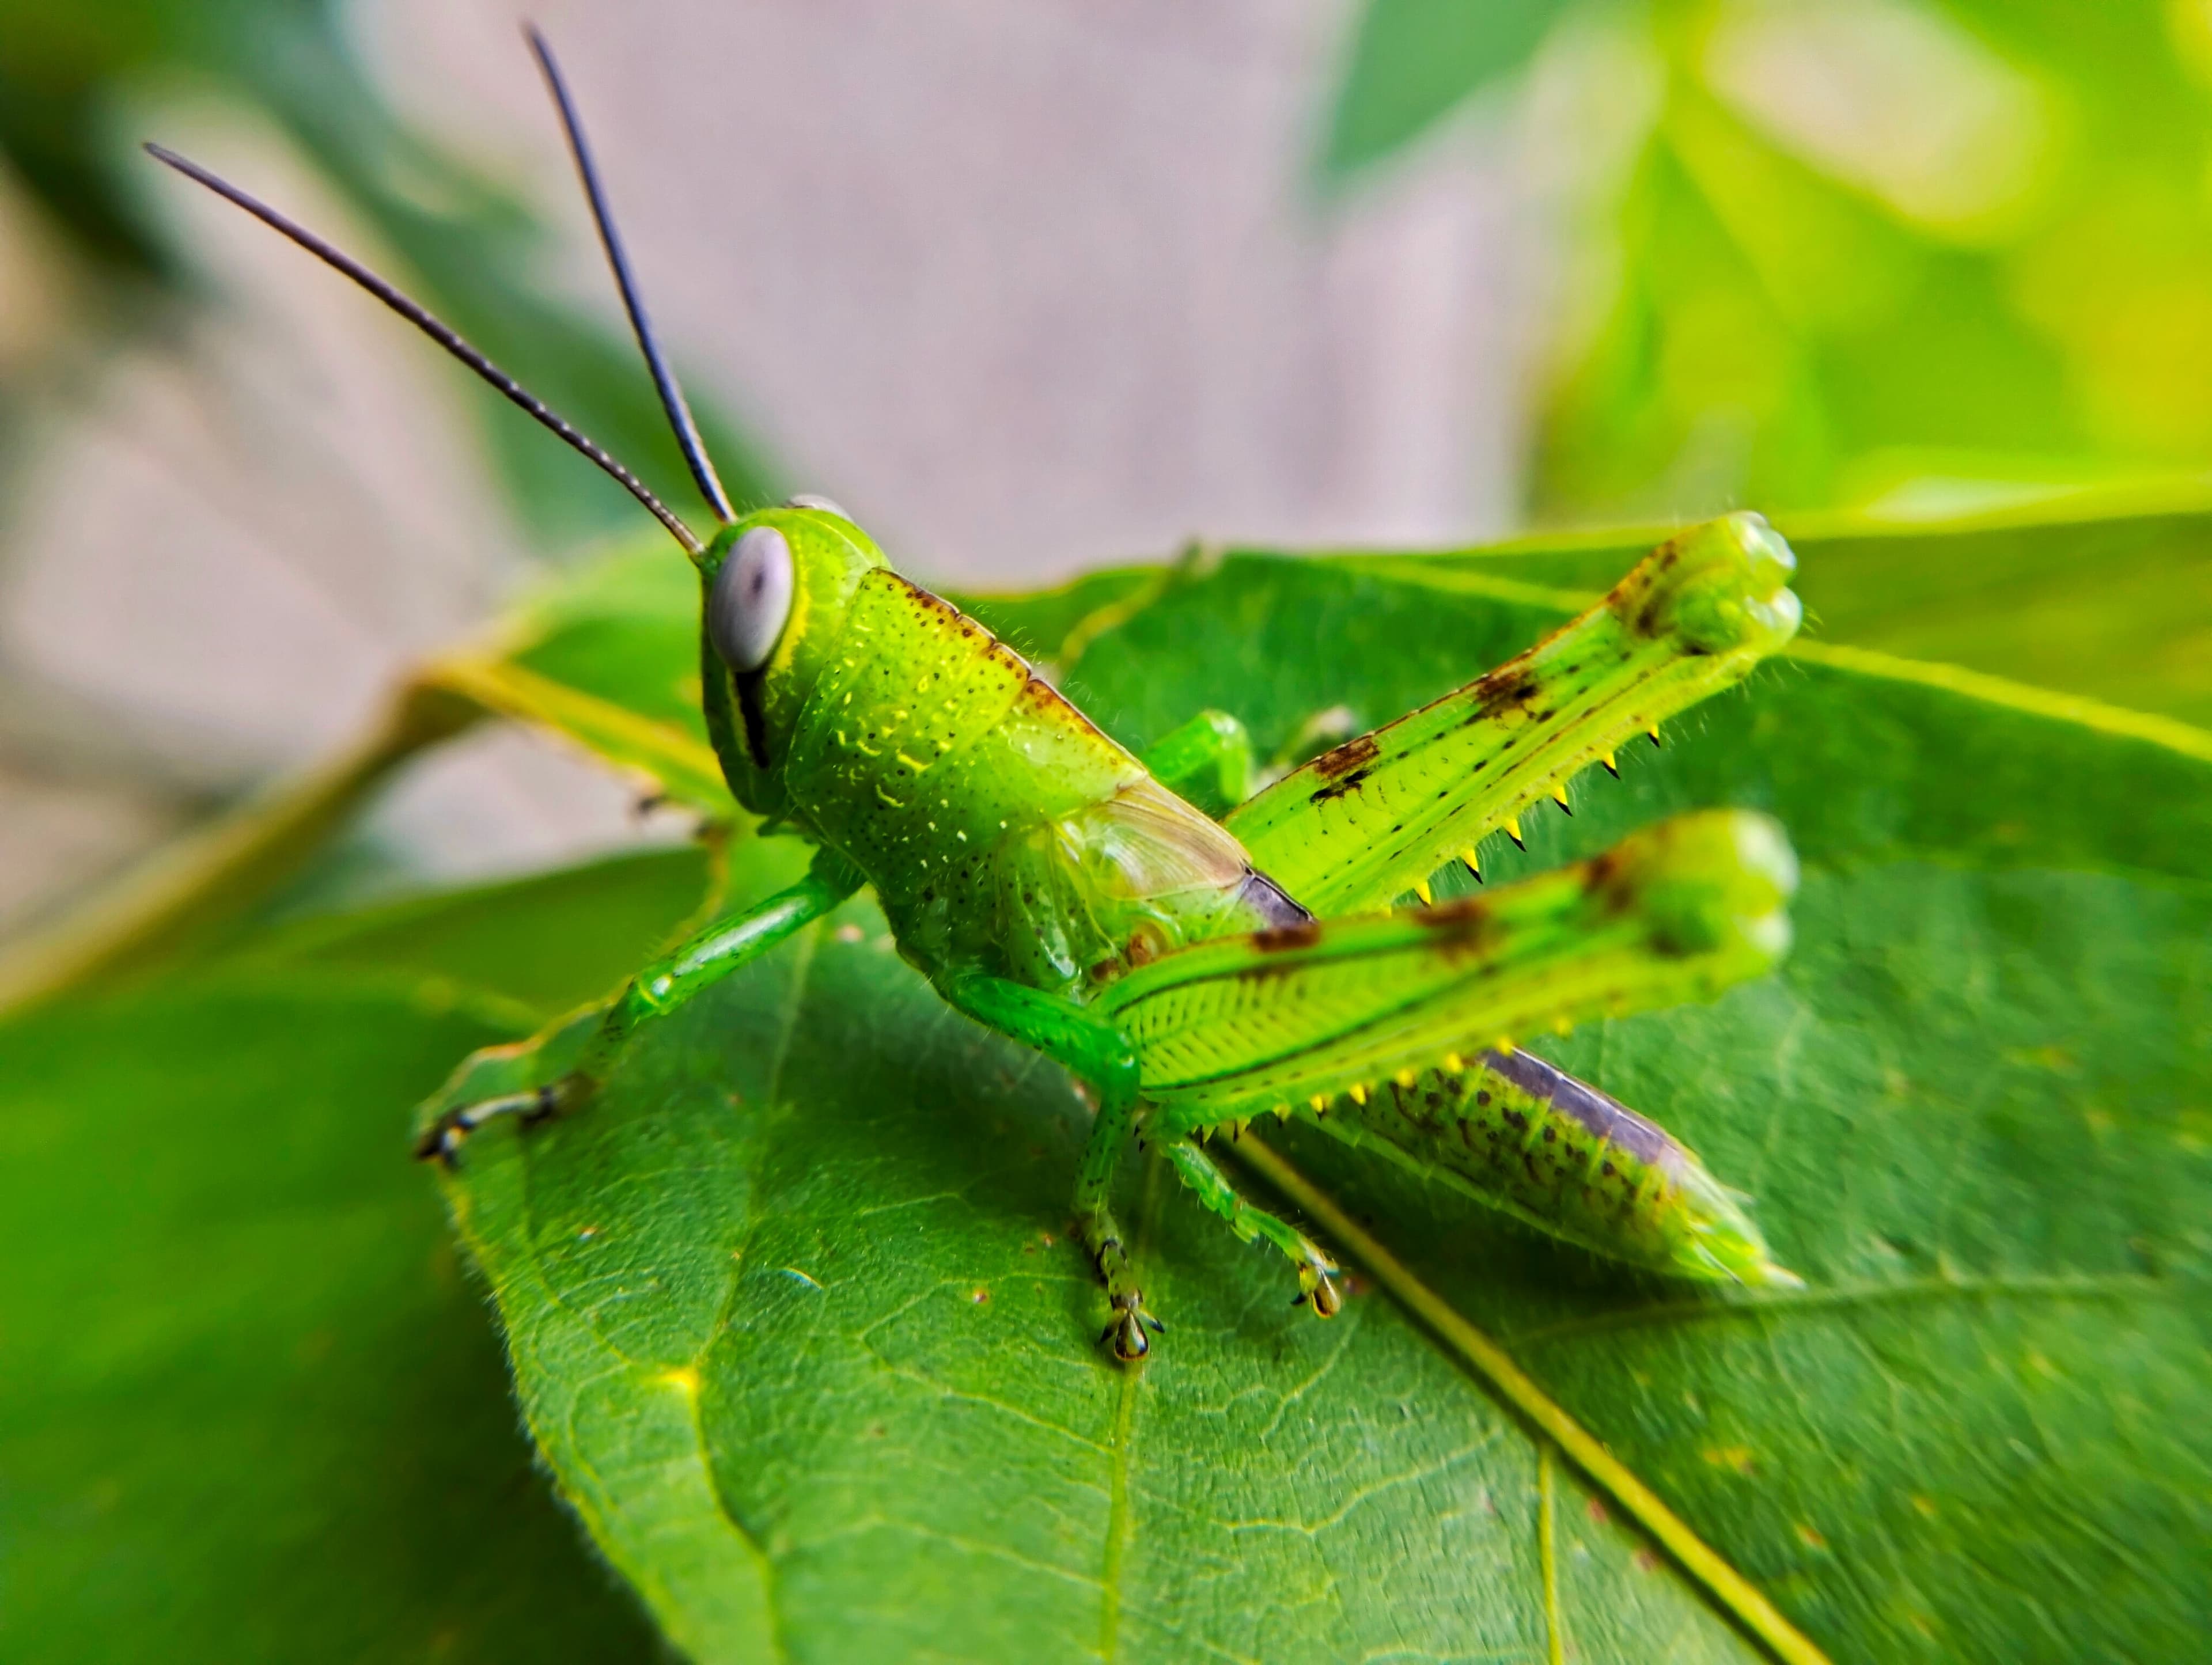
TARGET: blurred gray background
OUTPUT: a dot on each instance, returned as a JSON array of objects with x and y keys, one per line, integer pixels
[{"x": 1029, "y": 286}]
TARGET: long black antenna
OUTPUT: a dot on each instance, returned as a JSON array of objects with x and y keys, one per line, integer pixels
[
  {"x": 672, "y": 395},
  {"x": 439, "y": 331}
]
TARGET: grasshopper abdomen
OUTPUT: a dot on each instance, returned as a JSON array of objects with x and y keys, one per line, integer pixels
[{"x": 1529, "y": 1138}]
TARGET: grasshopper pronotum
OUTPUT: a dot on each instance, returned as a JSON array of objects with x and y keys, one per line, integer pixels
[{"x": 1198, "y": 973}]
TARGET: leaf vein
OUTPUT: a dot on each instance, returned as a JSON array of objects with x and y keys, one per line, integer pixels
[{"x": 1707, "y": 1570}]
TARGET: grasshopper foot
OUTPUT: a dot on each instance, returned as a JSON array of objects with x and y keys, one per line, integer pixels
[
  {"x": 442, "y": 1139},
  {"x": 1126, "y": 1330},
  {"x": 1318, "y": 1289}
]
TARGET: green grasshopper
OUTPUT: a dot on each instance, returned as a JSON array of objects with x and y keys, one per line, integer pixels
[{"x": 1198, "y": 973}]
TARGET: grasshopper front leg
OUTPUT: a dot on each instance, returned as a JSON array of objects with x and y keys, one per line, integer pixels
[{"x": 660, "y": 988}]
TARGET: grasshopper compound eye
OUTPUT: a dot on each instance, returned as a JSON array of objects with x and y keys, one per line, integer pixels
[
  {"x": 751, "y": 599},
  {"x": 809, "y": 499}
]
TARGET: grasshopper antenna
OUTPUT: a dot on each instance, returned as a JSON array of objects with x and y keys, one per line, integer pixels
[
  {"x": 672, "y": 395},
  {"x": 441, "y": 332}
]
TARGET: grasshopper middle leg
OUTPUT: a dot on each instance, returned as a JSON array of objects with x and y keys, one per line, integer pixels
[
  {"x": 1316, "y": 1270},
  {"x": 1097, "y": 1051}
]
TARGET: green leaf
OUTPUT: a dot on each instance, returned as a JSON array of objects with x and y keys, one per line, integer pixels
[
  {"x": 1859, "y": 252},
  {"x": 249, "y": 1406},
  {"x": 1413, "y": 62},
  {"x": 609, "y": 656},
  {"x": 835, "y": 1387},
  {"x": 539, "y": 944},
  {"x": 794, "y": 1316}
]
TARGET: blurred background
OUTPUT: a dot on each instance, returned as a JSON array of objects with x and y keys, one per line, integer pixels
[{"x": 1029, "y": 286}]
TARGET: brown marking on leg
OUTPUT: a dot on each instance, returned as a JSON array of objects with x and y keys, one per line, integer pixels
[
  {"x": 1343, "y": 759},
  {"x": 1508, "y": 688},
  {"x": 1344, "y": 769}
]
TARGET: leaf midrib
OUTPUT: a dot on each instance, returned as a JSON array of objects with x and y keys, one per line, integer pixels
[{"x": 1714, "y": 1578}]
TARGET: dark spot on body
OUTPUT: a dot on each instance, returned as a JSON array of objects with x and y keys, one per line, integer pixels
[
  {"x": 1604, "y": 876},
  {"x": 1350, "y": 783},
  {"x": 1282, "y": 937},
  {"x": 1465, "y": 929},
  {"x": 1270, "y": 901}
]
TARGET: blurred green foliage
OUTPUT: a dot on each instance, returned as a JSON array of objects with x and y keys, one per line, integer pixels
[
  {"x": 1415, "y": 60},
  {"x": 1919, "y": 252},
  {"x": 72, "y": 81}
]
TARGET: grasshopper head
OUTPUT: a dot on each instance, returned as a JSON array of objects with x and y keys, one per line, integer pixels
[{"x": 775, "y": 585}]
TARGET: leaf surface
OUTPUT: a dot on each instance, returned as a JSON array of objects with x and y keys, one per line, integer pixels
[
  {"x": 794, "y": 1314},
  {"x": 249, "y": 1405},
  {"x": 250, "y": 1411}
]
